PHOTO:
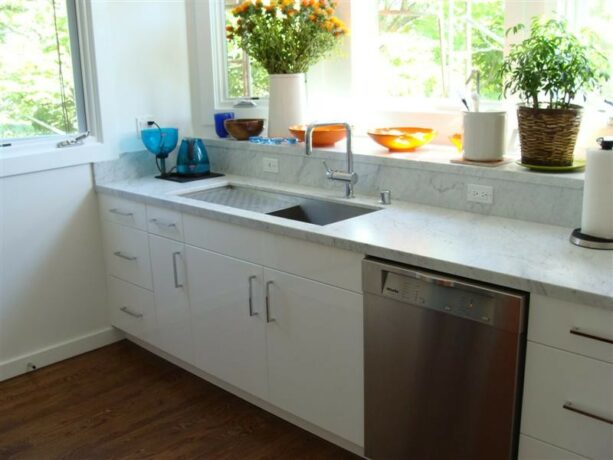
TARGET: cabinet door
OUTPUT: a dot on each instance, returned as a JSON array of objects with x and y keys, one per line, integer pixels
[
  {"x": 171, "y": 301},
  {"x": 229, "y": 330},
  {"x": 315, "y": 353}
]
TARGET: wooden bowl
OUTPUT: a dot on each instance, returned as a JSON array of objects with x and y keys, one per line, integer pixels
[
  {"x": 402, "y": 139},
  {"x": 323, "y": 136},
  {"x": 242, "y": 129}
]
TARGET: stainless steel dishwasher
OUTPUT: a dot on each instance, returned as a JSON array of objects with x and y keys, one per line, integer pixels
[{"x": 444, "y": 362}]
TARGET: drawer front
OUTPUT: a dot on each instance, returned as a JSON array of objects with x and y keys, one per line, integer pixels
[
  {"x": 314, "y": 261},
  {"x": 121, "y": 211},
  {"x": 533, "y": 449},
  {"x": 555, "y": 378},
  {"x": 165, "y": 222},
  {"x": 132, "y": 308},
  {"x": 126, "y": 252},
  {"x": 573, "y": 327},
  {"x": 228, "y": 239}
]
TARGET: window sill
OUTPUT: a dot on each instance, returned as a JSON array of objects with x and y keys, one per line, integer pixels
[{"x": 40, "y": 157}]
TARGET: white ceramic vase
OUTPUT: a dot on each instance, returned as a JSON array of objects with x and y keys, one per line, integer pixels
[{"x": 286, "y": 104}]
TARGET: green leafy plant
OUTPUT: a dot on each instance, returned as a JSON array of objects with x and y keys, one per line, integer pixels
[
  {"x": 552, "y": 63},
  {"x": 286, "y": 36}
]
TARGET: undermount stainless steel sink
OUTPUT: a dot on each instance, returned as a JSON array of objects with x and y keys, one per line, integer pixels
[{"x": 281, "y": 204}]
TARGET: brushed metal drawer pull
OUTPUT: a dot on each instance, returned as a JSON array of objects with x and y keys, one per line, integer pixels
[
  {"x": 251, "y": 312},
  {"x": 571, "y": 407},
  {"x": 161, "y": 223},
  {"x": 121, "y": 213},
  {"x": 269, "y": 319},
  {"x": 124, "y": 256},
  {"x": 127, "y": 311},
  {"x": 174, "y": 269},
  {"x": 579, "y": 332}
]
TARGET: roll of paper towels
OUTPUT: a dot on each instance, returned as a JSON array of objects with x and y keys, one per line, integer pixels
[{"x": 597, "y": 215}]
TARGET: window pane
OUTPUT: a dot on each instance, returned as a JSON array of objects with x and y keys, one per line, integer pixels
[
  {"x": 429, "y": 48},
  {"x": 36, "y": 72},
  {"x": 246, "y": 78}
]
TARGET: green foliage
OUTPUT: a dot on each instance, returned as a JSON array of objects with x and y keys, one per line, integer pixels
[
  {"x": 554, "y": 63},
  {"x": 285, "y": 38},
  {"x": 29, "y": 81}
]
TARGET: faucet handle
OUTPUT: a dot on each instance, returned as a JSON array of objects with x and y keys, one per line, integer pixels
[{"x": 329, "y": 172}]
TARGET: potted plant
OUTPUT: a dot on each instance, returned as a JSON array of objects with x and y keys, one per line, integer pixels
[
  {"x": 286, "y": 37},
  {"x": 548, "y": 70}
]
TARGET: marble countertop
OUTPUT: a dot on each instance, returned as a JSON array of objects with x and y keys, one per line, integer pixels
[{"x": 523, "y": 255}]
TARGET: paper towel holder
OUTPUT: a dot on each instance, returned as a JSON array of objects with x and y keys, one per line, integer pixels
[{"x": 588, "y": 241}]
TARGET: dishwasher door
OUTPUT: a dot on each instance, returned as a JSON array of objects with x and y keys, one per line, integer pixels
[{"x": 443, "y": 365}]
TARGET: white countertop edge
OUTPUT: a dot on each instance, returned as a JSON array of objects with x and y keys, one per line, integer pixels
[
  {"x": 597, "y": 295},
  {"x": 432, "y": 157}
]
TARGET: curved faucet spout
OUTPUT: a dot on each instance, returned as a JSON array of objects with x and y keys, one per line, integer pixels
[{"x": 349, "y": 177}]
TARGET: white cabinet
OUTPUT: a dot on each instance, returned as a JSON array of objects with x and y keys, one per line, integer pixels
[
  {"x": 173, "y": 334},
  {"x": 165, "y": 222},
  {"x": 533, "y": 449},
  {"x": 315, "y": 353},
  {"x": 122, "y": 211},
  {"x": 228, "y": 320}
]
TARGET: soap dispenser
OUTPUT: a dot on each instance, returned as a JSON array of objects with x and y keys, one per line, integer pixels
[{"x": 192, "y": 159}]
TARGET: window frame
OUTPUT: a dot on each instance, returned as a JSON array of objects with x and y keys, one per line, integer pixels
[{"x": 88, "y": 110}]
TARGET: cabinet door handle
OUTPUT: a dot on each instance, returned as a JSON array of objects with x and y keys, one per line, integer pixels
[
  {"x": 588, "y": 335},
  {"x": 161, "y": 223},
  {"x": 571, "y": 407},
  {"x": 174, "y": 269},
  {"x": 127, "y": 311},
  {"x": 119, "y": 212},
  {"x": 269, "y": 319},
  {"x": 251, "y": 312},
  {"x": 124, "y": 256}
]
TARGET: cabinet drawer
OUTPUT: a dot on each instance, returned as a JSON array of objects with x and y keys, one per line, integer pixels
[
  {"x": 533, "y": 449},
  {"x": 165, "y": 222},
  {"x": 555, "y": 378},
  {"x": 121, "y": 211},
  {"x": 228, "y": 239},
  {"x": 132, "y": 308},
  {"x": 126, "y": 252},
  {"x": 559, "y": 324}
]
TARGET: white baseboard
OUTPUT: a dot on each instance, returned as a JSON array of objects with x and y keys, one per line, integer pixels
[
  {"x": 291, "y": 418},
  {"x": 59, "y": 352}
]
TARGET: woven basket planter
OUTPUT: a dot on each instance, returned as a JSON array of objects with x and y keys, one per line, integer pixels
[{"x": 548, "y": 136}]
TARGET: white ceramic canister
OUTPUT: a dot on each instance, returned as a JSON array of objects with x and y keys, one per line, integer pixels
[
  {"x": 286, "y": 104},
  {"x": 484, "y": 135}
]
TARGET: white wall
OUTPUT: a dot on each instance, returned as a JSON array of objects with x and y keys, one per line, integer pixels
[
  {"x": 52, "y": 284},
  {"x": 52, "y": 276}
]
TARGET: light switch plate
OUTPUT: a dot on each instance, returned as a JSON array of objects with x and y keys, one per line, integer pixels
[{"x": 270, "y": 165}]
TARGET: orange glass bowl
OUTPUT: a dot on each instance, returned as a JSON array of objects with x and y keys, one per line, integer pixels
[
  {"x": 323, "y": 136},
  {"x": 403, "y": 139}
]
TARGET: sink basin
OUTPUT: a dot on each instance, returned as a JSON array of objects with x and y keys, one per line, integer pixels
[{"x": 281, "y": 204}]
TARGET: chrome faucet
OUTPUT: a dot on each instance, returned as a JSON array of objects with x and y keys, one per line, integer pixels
[{"x": 349, "y": 177}]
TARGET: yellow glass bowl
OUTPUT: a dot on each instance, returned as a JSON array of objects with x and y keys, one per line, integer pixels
[
  {"x": 402, "y": 139},
  {"x": 456, "y": 139}
]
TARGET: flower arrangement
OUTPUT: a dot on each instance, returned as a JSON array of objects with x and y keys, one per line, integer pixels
[{"x": 286, "y": 36}]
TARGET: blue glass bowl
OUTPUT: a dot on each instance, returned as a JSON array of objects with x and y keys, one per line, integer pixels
[{"x": 160, "y": 142}]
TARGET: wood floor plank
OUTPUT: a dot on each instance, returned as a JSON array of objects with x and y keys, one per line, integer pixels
[{"x": 122, "y": 402}]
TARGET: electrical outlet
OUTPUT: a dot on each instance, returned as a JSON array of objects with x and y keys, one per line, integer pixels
[
  {"x": 480, "y": 193},
  {"x": 270, "y": 165},
  {"x": 141, "y": 123}
]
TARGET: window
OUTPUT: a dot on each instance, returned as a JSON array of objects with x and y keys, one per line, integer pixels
[
  {"x": 409, "y": 50},
  {"x": 40, "y": 71}
]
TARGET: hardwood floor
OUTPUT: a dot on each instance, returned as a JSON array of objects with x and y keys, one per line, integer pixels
[{"x": 123, "y": 402}]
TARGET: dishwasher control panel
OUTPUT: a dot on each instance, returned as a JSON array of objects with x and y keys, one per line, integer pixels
[{"x": 441, "y": 295}]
